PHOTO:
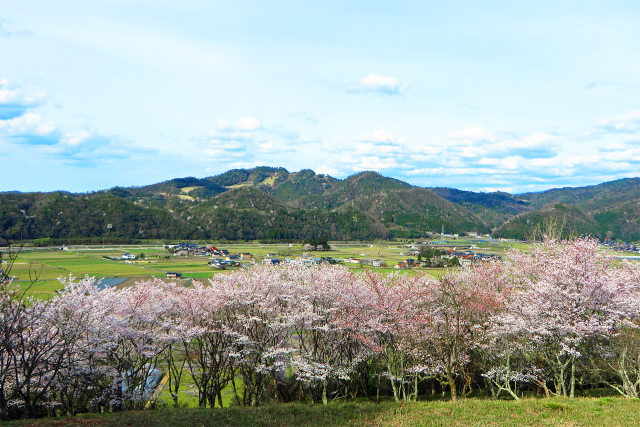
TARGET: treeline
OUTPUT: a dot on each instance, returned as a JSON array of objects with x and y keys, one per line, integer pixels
[
  {"x": 284, "y": 224},
  {"x": 101, "y": 240},
  {"x": 67, "y": 216},
  {"x": 557, "y": 321},
  {"x": 107, "y": 218}
]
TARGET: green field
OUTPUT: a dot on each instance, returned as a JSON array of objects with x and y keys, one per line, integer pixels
[
  {"x": 604, "y": 411},
  {"x": 47, "y": 265}
]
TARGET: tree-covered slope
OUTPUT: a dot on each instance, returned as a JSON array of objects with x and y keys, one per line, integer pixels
[
  {"x": 64, "y": 215},
  {"x": 494, "y": 208},
  {"x": 273, "y": 203},
  {"x": 555, "y": 221}
]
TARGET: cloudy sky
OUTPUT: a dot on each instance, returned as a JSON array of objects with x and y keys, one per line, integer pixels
[{"x": 478, "y": 95}]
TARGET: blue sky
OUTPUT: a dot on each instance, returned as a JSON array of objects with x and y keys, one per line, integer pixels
[{"x": 484, "y": 96}]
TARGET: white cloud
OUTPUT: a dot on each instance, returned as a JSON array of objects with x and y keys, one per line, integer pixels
[
  {"x": 14, "y": 96},
  {"x": 471, "y": 134},
  {"x": 533, "y": 140},
  {"x": 376, "y": 83},
  {"x": 375, "y": 163},
  {"x": 27, "y": 124},
  {"x": 476, "y": 142},
  {"x": 379, "y": 142},
  {"x": 370, "y": 148},
  {"x": 76, "y": 138},
  {"x": 427, "y": 171},
  {"x": 327, "y": 170},
  {"x": 266, "y": 147},
  {"x": 626, "y": 123},
  {"x": 380, "y": 135},
  {"x": 245, "y": 165},
  {"x": 242, "y": 124}
]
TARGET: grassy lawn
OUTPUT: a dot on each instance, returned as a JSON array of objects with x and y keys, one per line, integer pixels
[
  {"x": 188, "y": 393},
  {"x": 42, "y": 289},
  {"x": 605, "y": 411}
]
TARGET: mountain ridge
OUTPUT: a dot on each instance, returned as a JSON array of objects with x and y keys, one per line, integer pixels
[{"x": 272, "y": 203}]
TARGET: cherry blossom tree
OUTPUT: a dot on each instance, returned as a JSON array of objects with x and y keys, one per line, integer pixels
[
  {"x": 328, "y": 337},
  {"x": 459, "y": 305},
  {"x": 210, "y": 344},
  {"x": 562, "y": 313},
  {"x": 566, "y": 295}
]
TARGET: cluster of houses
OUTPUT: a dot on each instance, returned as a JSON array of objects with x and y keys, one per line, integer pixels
[
  {"x": 365, "y": 261},
  {"x": 451, "y": 255},
  {"x": 470, "y": 256},
  {"x": 230, "y": 260},
  {"x": 186, "y": 249},
  {"x": 464, "y": 258},
  {"x": 305, "y": 259},
  {"x": 221, "y": 258},
  {"x": 622, "y": 246}
]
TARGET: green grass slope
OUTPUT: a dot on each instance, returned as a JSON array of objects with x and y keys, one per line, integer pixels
[{"x": 469, "y": 412}]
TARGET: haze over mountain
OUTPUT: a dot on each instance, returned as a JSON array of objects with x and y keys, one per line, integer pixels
[{"x": 273, "y": 204}]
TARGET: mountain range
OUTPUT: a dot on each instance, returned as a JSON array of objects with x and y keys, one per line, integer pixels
[{"x": 268, "y": 203}]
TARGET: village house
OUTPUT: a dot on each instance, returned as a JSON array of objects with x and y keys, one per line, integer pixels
[
  {"x": 402, "y": 265},
  {"x": 372, "y": 262},
  {"x": 465, "y": 262}
]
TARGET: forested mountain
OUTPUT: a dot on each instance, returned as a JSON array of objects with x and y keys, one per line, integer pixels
[
  {"x": 274, "y": 204},
  {"x": 614, "y": 206},
  {"x": 493, "y": 208},
  {"x": 557, "y": 220}
]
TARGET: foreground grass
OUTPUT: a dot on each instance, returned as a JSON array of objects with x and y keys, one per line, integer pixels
[{"x": 605, "y": 411}]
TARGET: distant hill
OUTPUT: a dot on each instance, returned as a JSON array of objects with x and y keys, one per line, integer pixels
[
  {"x": 269, "y": 203},
  {"x": 493, "y": 208},
  {"x": 558, "y": 221},
  {"x": 614, "y": 206}
]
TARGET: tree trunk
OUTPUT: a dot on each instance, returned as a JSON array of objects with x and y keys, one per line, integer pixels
[
  {"x": 4, "y": 410},
  {"x": 202, "y": 398},
  {"x": 573, "y": 378},
  {"x": 219, "y": 394},
  {"x": 544, "y": 387},
  {"x": 394, "y": 387},
  {"x": 452, "y": 386}
]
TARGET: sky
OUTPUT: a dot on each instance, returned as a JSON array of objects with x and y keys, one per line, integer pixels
[{"x": 476, "y": 95}]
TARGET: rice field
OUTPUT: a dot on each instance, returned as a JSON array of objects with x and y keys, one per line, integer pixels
[{"x": 43, "y": 267}]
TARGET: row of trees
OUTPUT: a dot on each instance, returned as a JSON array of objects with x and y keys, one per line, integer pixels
[{"x": 555, "y": 320}]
